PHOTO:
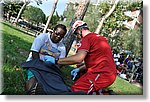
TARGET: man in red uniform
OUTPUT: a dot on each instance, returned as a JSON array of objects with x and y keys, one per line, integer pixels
[{"x": 95, "y": 51}]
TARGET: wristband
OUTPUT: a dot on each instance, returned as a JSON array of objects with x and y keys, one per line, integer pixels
[{"x": 56, "y": 60}]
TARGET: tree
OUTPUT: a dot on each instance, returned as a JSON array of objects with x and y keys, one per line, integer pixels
[
  {"x": 26, "y": 2},
  {"x": 80, "y": 13},
  {"x": 21, "y": 10},
  {"x": 132, "y": 41},
  {"x": 11, "y": 8},
  {"x": 34, "y": 15},
  {"x": 112, "y": 27},
  {"x": 49, "y": 18},
  {"x": 54, "y": 20},
  {"x": 69, "y": 13},
  {"x": 118, "y": 38},
  {"x": 105, "y": 17}
]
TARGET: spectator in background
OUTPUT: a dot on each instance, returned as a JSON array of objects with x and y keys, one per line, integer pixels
[
  {"x": 122, "y": 57},
  {"x": 116, "y": 56}
]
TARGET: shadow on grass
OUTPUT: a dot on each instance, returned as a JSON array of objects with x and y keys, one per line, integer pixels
[{"x": 66, "y": 74}]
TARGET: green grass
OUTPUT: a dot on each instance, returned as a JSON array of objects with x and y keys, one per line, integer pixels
[
  {"x": 123, "y": 87},
  {"x": 16, "y": 46}
]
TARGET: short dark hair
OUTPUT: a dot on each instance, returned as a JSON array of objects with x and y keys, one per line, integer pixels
[{"x": 61, "y": 26}]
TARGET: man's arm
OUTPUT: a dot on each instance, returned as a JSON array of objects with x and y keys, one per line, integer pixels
[{"x": 75, "y": 59}]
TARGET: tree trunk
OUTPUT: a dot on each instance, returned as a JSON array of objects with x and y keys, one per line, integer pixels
[
  {"x": 49, "y": 18},
  {"x": 81, "y": 10},
  {"x": 105, "y": 17},
  {"x": 19, "y": 14}
]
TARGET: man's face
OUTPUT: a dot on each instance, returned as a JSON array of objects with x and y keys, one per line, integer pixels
[
  {"x": 79, "y": 34},
  {"x": 57, "y": 35}
]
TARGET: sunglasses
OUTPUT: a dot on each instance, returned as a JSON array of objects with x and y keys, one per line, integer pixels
[{"x": 58, "y": 34}]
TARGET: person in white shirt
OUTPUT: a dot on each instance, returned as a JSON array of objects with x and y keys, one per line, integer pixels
[{"x": 48, "y": 44}]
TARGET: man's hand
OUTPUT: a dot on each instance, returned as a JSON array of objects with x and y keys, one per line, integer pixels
[
  {"x": 49, "y": 59},
  {"x": 74, "y": 73}
]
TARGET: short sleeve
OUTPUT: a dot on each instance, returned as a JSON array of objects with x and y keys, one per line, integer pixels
[
  {"x": 38, "y": 42},
  {"x": 63, "y": 51}
]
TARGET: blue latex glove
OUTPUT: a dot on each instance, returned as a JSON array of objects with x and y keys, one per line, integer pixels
[
  {"x": 74, "y": 73},
  {"x": 49, "y": 59}
]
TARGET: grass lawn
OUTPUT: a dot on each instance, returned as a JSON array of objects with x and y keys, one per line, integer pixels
[{"x": 16, "y": 46}]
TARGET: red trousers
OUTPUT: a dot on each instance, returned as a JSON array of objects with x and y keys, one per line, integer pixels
[{"x": 91, "y": 82}]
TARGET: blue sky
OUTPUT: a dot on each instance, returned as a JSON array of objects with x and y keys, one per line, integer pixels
[{"x": 47, "y": 6}]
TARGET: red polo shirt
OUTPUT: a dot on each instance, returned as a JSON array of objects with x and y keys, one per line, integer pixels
[{"x": 99, "y": 57}]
